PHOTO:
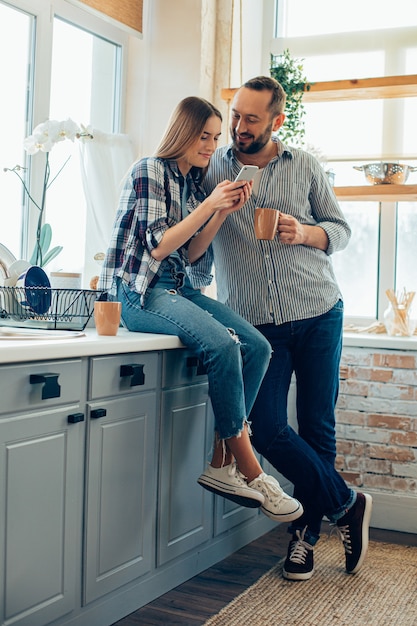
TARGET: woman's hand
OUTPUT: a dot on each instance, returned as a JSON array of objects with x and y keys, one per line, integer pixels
[
  {"x": 225, "y": 199},
  {"x": 228, "y": 196}
]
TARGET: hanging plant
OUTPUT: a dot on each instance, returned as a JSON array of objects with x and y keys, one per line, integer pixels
[{"x": 289, "y": 73}]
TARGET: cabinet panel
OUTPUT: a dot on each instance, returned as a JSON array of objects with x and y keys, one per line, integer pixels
[
  {"x": 41, "y": 481},
  {"x": 121, "y": 493},
  {"x": 185, "y": 508},
  {"x": 33, "y": 385},
  {"x": 122, "y": 374},
  {"x": 180, "y": 367},
  {"x": 228, "y": 515}
]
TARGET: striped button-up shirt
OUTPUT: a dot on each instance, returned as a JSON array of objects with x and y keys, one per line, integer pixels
[
  {"x": 150, "y": 203},
  {"x": 268, "y": 281}
]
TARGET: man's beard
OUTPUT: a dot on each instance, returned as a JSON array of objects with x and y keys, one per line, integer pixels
[{"x": 256, "y": 145}]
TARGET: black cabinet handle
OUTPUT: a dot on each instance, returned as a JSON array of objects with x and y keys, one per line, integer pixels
[
  {"x": 51, "y": 388},
  {"x": 74, "y": 418},
  {"x": 135, "y": 371},
  {"x": 98, "y": 413},
  {"x": 193, "y": 361}
]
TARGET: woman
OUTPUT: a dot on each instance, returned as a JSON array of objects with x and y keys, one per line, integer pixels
[{"x": 164, "y": 223}]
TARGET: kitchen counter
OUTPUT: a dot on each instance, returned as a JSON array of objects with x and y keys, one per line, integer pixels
[
  {"x": 86, "y": 343},
  {"x": 92, "y": 430}
]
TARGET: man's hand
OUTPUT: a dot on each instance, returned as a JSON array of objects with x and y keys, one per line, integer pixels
[{"x": 291, "y": 232}]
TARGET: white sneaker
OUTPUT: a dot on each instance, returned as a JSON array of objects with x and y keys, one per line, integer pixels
[
  {"x": 278, "y": 505},
  {"x": 228, "y": 482}
]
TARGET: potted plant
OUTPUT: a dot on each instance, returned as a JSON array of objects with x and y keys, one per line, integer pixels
[{"x": 289, "y": 73}]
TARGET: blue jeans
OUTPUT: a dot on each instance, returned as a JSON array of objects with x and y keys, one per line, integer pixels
[
  {"x": 235, "y": 355},
  {"x": 311, "y": 349}
]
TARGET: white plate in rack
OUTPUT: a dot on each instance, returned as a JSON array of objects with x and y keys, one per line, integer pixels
[
  {"x": 6, "y": 259},
  {"x": 6, "y": 256}
]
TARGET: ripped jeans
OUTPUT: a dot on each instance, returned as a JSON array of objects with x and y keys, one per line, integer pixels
[{"x": 235, "y": 355}]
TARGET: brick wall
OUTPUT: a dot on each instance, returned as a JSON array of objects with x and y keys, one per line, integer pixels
[{"x": 376, "y": 420}]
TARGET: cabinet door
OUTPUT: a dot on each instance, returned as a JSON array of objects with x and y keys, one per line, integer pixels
[
  {"x": 121, "y": 492},
  {"x": 185, "y": 509},
  {"x": 228, "y": 515},
  {"x": 41, "y": 486}
]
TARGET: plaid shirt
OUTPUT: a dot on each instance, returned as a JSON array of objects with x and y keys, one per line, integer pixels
[{"x": 150, "y": 203}]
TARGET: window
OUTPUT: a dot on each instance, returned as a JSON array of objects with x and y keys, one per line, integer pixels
[
  {"x": 82, "y": 88},
  {"x": 16, "y": 45},
  {"x": 369, "y": 43},
  {"x": 71, "y": 67}
]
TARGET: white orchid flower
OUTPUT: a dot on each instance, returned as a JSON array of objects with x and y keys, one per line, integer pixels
[
  {"x": 43, "y": 139},
  {"x": 48, "y": 133},
  {"x": 39, "y": 140},
  {"x": 68, "y": 129},
  {"x": 86, "y": 133}
]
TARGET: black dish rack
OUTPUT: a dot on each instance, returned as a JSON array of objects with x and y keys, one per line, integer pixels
[{"x": 70, "y": 309}]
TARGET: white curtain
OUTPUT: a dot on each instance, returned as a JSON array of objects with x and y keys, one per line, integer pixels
[{"x": 104, "y": 162}]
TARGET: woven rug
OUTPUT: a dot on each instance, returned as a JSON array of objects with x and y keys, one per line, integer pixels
[{"x": 382, "y": 593}]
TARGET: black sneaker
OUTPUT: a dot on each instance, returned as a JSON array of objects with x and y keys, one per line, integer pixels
[
  {"x": 299, "y": 564},
  {"x": 354, "y": 532}
]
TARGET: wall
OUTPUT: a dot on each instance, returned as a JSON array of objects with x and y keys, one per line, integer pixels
[
  {"x": 377, "y": 431},
  {"x": 185, "y": 50}
]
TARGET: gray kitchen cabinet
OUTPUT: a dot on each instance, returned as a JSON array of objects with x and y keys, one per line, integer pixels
[
  {"x": 185, "y": 510},
  {"x": 42, "y": 435},
  {"x": 229, "y": 515},
  {"x": 100, "y": 509},
  {"x": 121, "y": 472}
]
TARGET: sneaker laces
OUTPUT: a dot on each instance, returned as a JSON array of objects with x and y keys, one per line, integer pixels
[
  {"x": 299, "y": 548},
  {"x": 271, "y": 489},
  {"x": 234, "y": 472},
  {"x": 342, "y": 533}
]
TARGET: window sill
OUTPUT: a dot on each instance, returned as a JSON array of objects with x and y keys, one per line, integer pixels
[{"x": 379, "y": 341}]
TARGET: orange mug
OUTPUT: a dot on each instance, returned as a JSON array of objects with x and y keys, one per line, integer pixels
[
  {"x": 107, "y": 317},
  {"x": 266, "y": 223}
]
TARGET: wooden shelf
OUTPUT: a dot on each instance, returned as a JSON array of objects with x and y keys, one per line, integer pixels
[
  {"x": 378, "y": 193},
  {"x": 354, "y": 89},
  {"x": 362, "y": 89}
]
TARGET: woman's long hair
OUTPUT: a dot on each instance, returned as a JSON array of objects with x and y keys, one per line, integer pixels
[{"x": 184, "y": 128}]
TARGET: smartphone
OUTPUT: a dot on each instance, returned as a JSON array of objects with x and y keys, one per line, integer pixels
[{"x": 247, "y": 172}]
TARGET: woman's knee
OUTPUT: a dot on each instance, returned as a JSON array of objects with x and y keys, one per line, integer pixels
[{"x": 259, "y": 349}]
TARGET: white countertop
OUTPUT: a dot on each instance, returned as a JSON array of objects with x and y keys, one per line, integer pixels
[{"x": 87, "y": 343}]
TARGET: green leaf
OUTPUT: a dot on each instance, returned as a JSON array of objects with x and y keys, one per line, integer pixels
[
  {"x": 289, "y": 73},
  {"x": 45, "y": 238},
  {"x": 51, "y": 255},
  {"x": 33, "y": 258}
]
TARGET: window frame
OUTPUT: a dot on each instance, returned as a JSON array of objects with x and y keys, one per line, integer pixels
[
  {"x": 39, "y": 81},
  {"x": 393, "y": 41}
]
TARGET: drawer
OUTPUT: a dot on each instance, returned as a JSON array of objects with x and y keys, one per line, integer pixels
[
  {"x": 124, "y": 373},
  {"x": 181, "y": 367},
  {"x": 41, "y": 384}
]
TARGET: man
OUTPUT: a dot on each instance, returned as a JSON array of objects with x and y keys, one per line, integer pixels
[{"x": 287, "y": 289}]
